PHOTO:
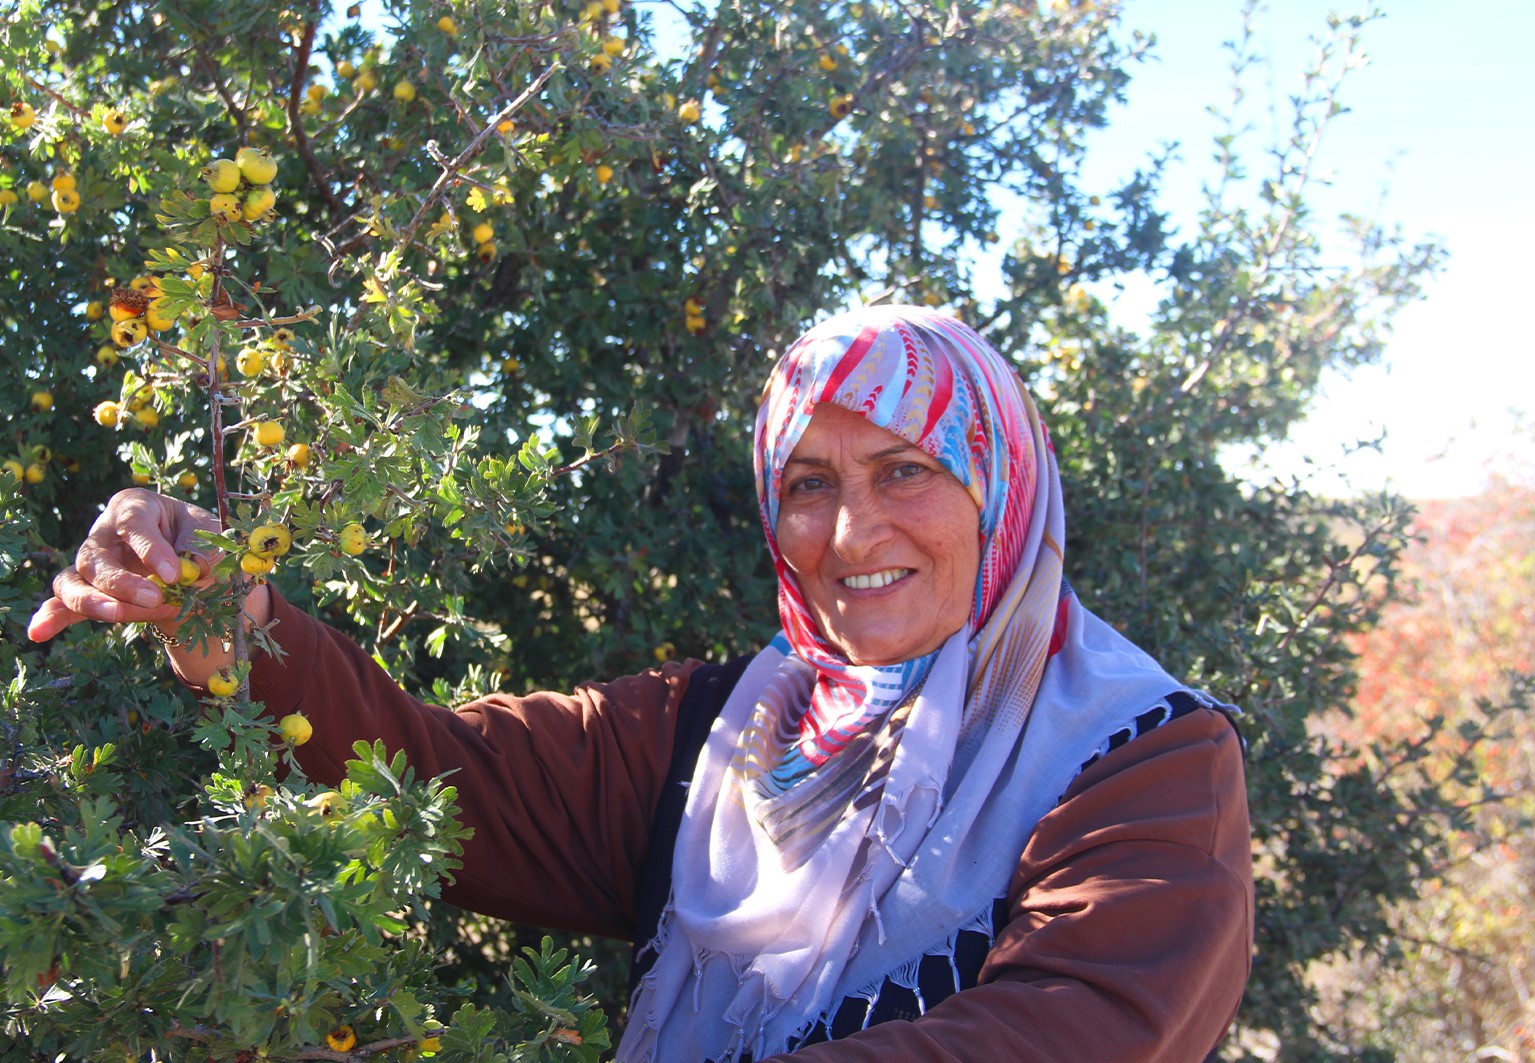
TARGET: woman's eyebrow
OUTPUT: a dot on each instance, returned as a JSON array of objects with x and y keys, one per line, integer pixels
[{"x": 878, "y": 455}]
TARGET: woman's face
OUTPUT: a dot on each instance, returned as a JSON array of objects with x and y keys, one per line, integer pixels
[{"x": 883, "y": 541}]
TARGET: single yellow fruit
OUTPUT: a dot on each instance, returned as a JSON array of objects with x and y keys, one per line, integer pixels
[
  {"x": 130, "y": 332},
  {"x": 486, "y": 252},
  {"x": 510, "y": 365},
  {"x": 298, "y": 455},
  {"x": 42, "y": 401},
  {"x": 448, "y": 26},
  {"x": 94, "y": 310},
  {"x": 141, "y": 479},
  {"x": 8, "y": 198},
  {"x": 325, "y": 803},
  {"x": 256, "y": 166},
  {"x": 316, "y": 92},
  {"x": 692, "y": 307},
  {"x": 66, "y": 200},
  {"x": 250, "y": 361},
  {"x": 270, "y": 540},
  {"x": 146, "y": 283},
  {"x": 34, "y": 473},
  {"x": 689, "y": 112},
  {"x": 222, "y": 175},
  {"x": 345, "y": 69},
  {"x": 604, "y": 173},
  {"x": 268, "y": 434},
  {"x": 484, "y": 233},
  {"x": 107, "y": 356},
  {"x": 841, "y": 107},
  {"x": 602, "y": 62},
  {"x": 190, "y": 571},
  {"x": 296, "y": 729},
  {"x": 610, "y": 6},
  {"x": 157, "y": 316},
  {"x": 63, "y": 182},
  {"x": 505, "y": 126},
  {"x": 222, "y": 684},
  {"x": 258, "y": 204},
  {"x": 404, "y": 91},
  {"x": 429, "y": 1044},
  {"x": 255, "y": 564},
  {"x": 828, "y": 63},
  {"x": 187, "y": 481},
  {"x": 695, "y": 325},
  {"x": 614, "y": 46},
  {"x": 15, "y": 469},
  {"x": 147, "y": 416},
  {"x": 107, "y": 413},
  {"x": 283, "y": 337},
  {"x": 22, "y": 115},
  {"x": 225, "y": 207},
  {"x": 37, "y": 191},
  {"x": 114, "y": 122},
  {"x": 367, "y": 81},
  {"x": 353, "y": 539}
]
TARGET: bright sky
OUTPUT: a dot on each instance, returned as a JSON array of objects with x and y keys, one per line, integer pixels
[{"x": 1443, "y": 123}]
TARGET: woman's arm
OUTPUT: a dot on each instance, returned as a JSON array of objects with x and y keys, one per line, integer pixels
[{"x": 1130, "y": 929}]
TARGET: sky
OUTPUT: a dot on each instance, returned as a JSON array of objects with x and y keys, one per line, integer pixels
[{"x": 1442, "y": 125}]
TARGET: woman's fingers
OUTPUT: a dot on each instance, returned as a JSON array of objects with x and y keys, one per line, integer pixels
[{"x": 51, "y": 617}]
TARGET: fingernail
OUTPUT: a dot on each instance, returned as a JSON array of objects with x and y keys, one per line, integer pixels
[
  {"x": 146, "y": 597},
  {"x": 170, "y": 571}
]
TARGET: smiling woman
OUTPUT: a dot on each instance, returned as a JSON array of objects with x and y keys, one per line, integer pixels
[{"x": 946, "y": 814}]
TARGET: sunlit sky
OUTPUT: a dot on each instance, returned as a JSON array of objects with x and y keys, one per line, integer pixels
[{"x": 1442, "y": 124}]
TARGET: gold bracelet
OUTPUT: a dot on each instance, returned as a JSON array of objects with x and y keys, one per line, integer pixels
[{"x": 165, "y": 640}]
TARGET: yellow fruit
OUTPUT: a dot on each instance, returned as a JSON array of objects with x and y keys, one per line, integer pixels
[
  {"x": 22, "y": 115},
  {"x": 14, "y": 469},
  {"x": 250, "y": 360},
  {"x": 37, "y": 191},
  {"x": 64, "y": 182},
  {"x": 94, "y": 310},
  {"x": 510, "y": 366},
  {"x": 42, "y": 401},
  {"x": 610, "y": 6},
  {"x": 114, "y": 122},
  {"x": 325, "y": 803},
  {"x": 187, "y": 481},
  {"x": 367, "y": 81},
  {"x": 315, "y": 92},
  {"x": 298, "y": 455},
  {"x": 8, "y": 198},
  {"x": 613, "y": 46},
  {"x": 283, "y": 337},
  {"x": 692, "y": 307},
  {"x": 604, "y": 173},
  {"x": 296, "y": 729},
  {"x": 157, "y": 316},
  {"x": 602, "y": 62},
  {"x": 353, "y": 539},
  {"x": 505, "y": 126},
  {"x": 222, "y": 684},
  {"x": 141, "y": 479},
  {"x": 841, "y": 107},
  {"x": 483, "y": 233},
  {"x": 268, "y": 434},
  {"x": 222, "y": 175},
  {"x": 225, "y": 207},
  {"x": 486, "y": 252},
  {"x": 695, "y": 325},
  {"x": 258, "y": 204},
  {"x": 689, "y": 112},
  {"x": 147, "y": 417},
  {"x": 189, "y": 571},
  {"x": 106, "y": 356},
  {"x": 270, "y": 540},
  {"x": 255, "y": 564},
  {"x": 404, "y": 91},
  {"x": 130, "y": 332},
  {"x": 256, "y": 166},
  {"x": 828, "y": 63},
  {"x": 345, "y": 69},
  {"x": 107, "y": 413},
  {"x": 34, "y": 473},
  {"x": 448, "y": 26}
]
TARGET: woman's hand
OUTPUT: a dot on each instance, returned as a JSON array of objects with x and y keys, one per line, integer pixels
[{"x": 139, "y": 533}]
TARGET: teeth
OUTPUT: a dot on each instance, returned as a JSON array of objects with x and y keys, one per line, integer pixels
[{"x": 875, "y": 579}]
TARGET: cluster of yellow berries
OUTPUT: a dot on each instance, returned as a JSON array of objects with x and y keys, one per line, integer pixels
[
  {"x": 136, "y": 311},
  {"x": 693, "y": 315},
  {"x": 242, "y": 186},
  {"x": 62, "y": 193}
]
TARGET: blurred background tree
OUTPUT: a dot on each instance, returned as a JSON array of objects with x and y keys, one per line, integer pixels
[{"x": 538, "y": 259}]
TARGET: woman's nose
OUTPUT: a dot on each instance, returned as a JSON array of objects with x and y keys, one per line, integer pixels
[{"x": 862, "y": 525}]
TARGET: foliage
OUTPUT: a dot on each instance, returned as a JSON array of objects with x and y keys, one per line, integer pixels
[{"x": 543, "y": 433}]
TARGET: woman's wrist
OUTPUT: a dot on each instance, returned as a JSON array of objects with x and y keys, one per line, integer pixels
[{"x": 194, "y": 664}]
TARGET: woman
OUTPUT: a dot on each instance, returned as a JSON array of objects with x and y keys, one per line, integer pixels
[{"x": 948, "y": 814}]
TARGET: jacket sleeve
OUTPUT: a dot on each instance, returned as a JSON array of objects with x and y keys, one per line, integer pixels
[
  {"x": 559, "y": 789},
  {"x": 1130, "y": 921}
]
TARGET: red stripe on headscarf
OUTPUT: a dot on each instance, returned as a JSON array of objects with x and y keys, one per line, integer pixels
[
  {"x": 1058, "y": 636},
  {"x": 943, "y": 390},
  {"x": 849, "y": 361}
]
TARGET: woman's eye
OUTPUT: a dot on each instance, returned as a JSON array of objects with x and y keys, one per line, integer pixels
[
  {"x": 906, "y": 470},
  {"x": 807, "y": 483}
]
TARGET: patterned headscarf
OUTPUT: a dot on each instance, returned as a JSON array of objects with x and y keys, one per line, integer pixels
[{"x": 844, "y": 820}]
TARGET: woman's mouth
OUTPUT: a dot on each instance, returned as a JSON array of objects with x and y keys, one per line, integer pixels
[{"x": 875, "y": 580}]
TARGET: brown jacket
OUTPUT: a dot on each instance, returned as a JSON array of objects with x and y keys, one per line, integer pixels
[{"x": 1130, "y": 924}]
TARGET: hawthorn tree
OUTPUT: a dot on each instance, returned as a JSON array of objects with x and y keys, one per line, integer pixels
[{"x": 508, "y": 294}]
